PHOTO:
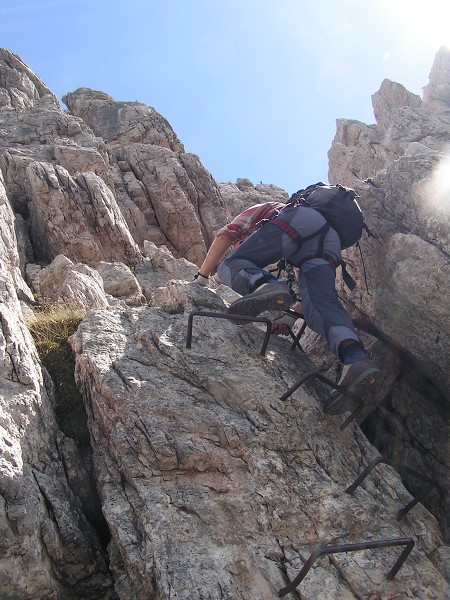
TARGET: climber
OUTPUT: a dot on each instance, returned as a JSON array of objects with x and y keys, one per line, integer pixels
[{"x": 261, "y": 243}]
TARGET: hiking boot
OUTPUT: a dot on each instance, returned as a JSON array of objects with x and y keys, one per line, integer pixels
[
  {"x": 268, "y": 296},
  {"x": 363, "y": 378},
  {"x": 284, "y": 323}
]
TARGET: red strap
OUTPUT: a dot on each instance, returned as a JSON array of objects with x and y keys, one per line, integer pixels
[{"x": 292, "y": 233}]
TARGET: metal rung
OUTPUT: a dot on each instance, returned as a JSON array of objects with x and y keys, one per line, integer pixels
[
  {"x": 339, "y": 388},
  {"x": 401, "y": 468},
  {"x": 219, "y": 315},
  {"x": 407, "y": 542},
  {"x": 296, "y": 338}
]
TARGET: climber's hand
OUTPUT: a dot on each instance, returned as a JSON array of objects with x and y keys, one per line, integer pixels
[
  {"x": 200, "y": 279},
  {"x": 284, "y": 323}
]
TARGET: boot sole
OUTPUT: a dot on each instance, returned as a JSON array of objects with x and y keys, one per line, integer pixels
[
  {"x": 366, "y": 384},
  {"x": 251, "y": 307}
]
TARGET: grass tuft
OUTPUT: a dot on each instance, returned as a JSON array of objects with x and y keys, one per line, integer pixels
[{"x": 51, "y": 326}]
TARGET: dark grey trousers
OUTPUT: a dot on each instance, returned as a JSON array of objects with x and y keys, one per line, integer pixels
[{"x": 323, "y": 312}]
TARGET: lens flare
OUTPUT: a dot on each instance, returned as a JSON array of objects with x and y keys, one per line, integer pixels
[{"x": 439, "y": 187}]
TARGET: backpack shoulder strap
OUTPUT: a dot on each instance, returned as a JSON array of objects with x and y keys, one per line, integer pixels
[{"x": 348, "y": 279}]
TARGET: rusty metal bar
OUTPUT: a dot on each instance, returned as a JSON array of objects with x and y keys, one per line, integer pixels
[
  {"x": 339, "y": 388},
  {"x": 432, "y": 483},
  {"x": 401, "y": 469},
  {"x": 296, "y": 338},
  {"x": 407, "y": 542},
  {"x": 218, "y": 315},
  {"x": 351, "y": 488}
]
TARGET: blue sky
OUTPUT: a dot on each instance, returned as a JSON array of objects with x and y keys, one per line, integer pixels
[{"x": 253, "y": 87}]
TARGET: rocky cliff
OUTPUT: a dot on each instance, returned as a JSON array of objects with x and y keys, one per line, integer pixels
[{"x": 181, "y": 472}]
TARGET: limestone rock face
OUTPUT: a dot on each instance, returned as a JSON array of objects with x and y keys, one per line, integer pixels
[
  {"x": 77, "y": 217},
  {"x": 416, "y": 270},
  {"x": 176, "y": 197},
  {"x": 21, "y": 88},
  {"x": 129, "y": 122},
  {"x": 189, "y": 477},
  {"x": 119, "y": 281},
  {"x": 400, "y": 169},
  {"x": 436, "y": 95},
  {"x": 211, "y": 485},
  {"x": 391, "y": 98},
  {"x": 63, "y": 282},
  {"x": 36, "y": 129},
  {"x": 158, "y": 267},
  {"x": 48, "y": 547},
  {"x": 10, "y": 264},
  {"x": 406, "y": 203},
  {"x": 177, "y": 200},
  {"x": 359, "y": 151},
  {"x": 411, "y": 267},
  {"x": 105, "y": 147}
]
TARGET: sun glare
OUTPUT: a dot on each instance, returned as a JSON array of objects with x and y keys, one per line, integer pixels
[
  {"x": 438, "y": 188},
  {"x": 427, "y": 21}
]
